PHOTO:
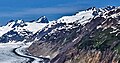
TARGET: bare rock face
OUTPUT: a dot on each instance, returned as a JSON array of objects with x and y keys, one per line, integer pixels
[{"x": 95, "y": 41}]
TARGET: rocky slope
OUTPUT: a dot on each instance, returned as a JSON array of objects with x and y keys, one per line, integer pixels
[
  {"x": 21, "y": 31},
  {"x": 90, "y": 36}
]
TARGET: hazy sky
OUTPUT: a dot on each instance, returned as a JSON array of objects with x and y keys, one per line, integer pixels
[{"x": 53, "y": 9}]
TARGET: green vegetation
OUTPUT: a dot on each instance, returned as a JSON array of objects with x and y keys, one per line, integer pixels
[{"x": 101, "y": 40}]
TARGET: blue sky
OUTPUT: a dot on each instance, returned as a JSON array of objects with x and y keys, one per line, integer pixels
[{"x": 52, "y": 9}]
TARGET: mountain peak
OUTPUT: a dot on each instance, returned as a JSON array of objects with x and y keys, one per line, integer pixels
[
  {"x": 110, "y": 7},
  {"x": 19, "y": 21},
  {"x": 42, "y": 19},
  {"x": 91, "y": 8}
]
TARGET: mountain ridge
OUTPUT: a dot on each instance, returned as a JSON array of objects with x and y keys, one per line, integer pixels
[
  {"x": 90, "y": 36},
  {"x": 19, "y": 29}
]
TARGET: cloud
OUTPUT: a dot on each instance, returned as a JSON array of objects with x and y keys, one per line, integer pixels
[{"x": 39, "y": 11}]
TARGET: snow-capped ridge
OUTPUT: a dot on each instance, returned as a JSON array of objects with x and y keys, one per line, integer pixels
[
  {"x": 109, "y": 7},
  {"x": 20, "y": 21},
  {"x": 20, "y": 30},
  {"x": 82, "y": 17},
  {"x": 42, "y": 19},
  {"x": 91, "y": 8},
  {"x": 25, "y": 28}
]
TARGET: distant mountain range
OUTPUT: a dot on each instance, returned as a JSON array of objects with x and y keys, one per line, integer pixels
[{"x": 21, "y": 31}]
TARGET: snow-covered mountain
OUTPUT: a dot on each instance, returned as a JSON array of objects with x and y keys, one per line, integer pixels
[
  {"x": 89, "y": 36},
  {"x": 20, "y": 30},
  {"x": 80, "y": 18}
]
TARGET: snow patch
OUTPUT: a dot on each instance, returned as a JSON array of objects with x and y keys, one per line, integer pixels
[{"x": 82, "y": 17}]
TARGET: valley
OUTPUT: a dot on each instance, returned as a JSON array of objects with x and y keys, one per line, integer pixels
[{"x": 15, "y": 53}]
